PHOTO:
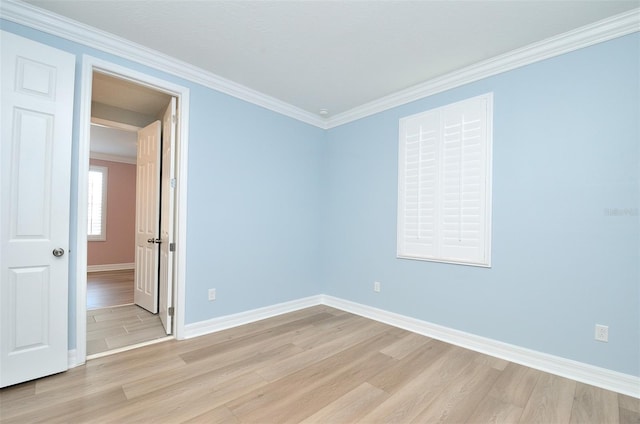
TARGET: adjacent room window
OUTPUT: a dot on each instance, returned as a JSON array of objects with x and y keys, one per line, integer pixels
[
  {"x": 444, "y": 181},
  {"x": 97, "y": 198}
]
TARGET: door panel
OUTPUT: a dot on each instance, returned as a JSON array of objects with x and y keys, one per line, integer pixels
[
  {"x": 166, "y": 214},
  {"x": 147, "y": 217},
  {"x": 37, "y": 113}
]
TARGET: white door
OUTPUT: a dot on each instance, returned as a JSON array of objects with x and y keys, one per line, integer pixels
[
  {"x": 167, "y": 200},
  {"x": 37, "y": 116},
  {"x": 147, "y": 217}
]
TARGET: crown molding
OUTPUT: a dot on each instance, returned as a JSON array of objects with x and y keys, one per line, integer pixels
[
  {"x": 42, "y": 20},
  {"x": 60, "y": 26},
  {"x": 598, "y": 32}
]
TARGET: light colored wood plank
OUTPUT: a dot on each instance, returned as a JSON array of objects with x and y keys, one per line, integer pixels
[
  {"x": 551, "y": 400},
  {"x": 494, "y": 411},
  {"x": 220, "y": 366},
  {"x": 398, "y": 372},
  {"x": 185, "y": 400},
  {"x": 112, "y": 328},
  {"x": 515, "y": 385},
  {"x": 59, "y": 407},
  {"x": 630, "y": 403},
  {"x": 267, "y": 403},
  {"x": 411, "y": 399},
  {"x": 109, "y": 288},
  {"x": 219, "y": 415},
  {"x": 254, "y": 337},
  {"x": 594, "y": 405},
  {"x": 628, "y": 417},
  {"x": 461, "y": 396},
  {"x": 336, "y": 345},
  {"x": 406, "y": 345},
  {"x": 350, "y": 407}
]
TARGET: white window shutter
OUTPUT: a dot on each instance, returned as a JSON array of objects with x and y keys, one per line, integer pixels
[
  {"x": 97, "y": 203},
  {"x": 418, "y": 214},
  {"x": 444, "y": 183}
]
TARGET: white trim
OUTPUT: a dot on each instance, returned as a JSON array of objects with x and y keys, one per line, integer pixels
[
  {"x": 43, "y": 20},
  {"x": 60, "y": 26},
  {"x": 229, "y": 321},
  {"x": 112, "y": 158},
  {"x": 579, "y": 371},
  {"x": 72, "y": 359},
  {"x": 110, "y": 267},
  {"x": 130, "y": 347},
  {"x": 89, "y": 64},
  {"x": 597, "y": 32},
  {"x": 114, "y": 124}
]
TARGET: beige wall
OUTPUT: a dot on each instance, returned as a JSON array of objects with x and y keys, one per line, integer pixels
[{"x": 121, "y": 213}]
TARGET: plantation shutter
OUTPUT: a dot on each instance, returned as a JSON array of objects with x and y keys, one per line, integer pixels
[
  {"x": 444, "y": 183},
  {"x": 97, "y": 197}
]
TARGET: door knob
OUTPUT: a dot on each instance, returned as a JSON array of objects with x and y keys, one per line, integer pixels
[
  {"x": 58, "y": 251},
  {"x": 152, "y": 240}
]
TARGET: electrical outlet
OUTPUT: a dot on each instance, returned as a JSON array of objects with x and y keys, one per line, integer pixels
[
  {"x": 602, "y": 333},
  {"x": 212, "y": 294},
  {"x": 376, "y": 286}
]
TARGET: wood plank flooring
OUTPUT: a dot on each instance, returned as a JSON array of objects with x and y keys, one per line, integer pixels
[
  {"x": 113, "y": 321},
  {"x": 109, "y": 288},
  {"x": 317, "y": 365},
  {"x": 113, "y": 328}
]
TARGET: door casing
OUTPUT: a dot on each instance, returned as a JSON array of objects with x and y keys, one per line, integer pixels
[{"x": 89, "y": 65}]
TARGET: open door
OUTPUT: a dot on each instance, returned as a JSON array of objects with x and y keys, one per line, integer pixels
[
  {"x": 35, "y": 163},
  {"x": 147, "y": 218},
  {"x": 166, "y": 215}
]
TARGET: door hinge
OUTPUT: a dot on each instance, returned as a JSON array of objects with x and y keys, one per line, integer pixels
[
  {"x": 173, "y": 183},
  {"x": 170, "y": 311},
  {"x": 172, "y": 247},
  {"x": 173, "y": 119}
]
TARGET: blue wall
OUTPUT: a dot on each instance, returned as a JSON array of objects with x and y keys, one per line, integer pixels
[
  {"x": 254, "y": 195},
  {"x": 280, "y": 210},
  {"x": 566, "y": 142}
]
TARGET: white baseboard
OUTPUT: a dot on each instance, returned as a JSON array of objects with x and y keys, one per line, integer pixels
[
  {"x": 72, "y": 358},
  {"x": 585, "y": 373},
  {"x": 229, "y": 321},
  {"x": 579, "y": 371},
  {"x": 110, "y": 267}
]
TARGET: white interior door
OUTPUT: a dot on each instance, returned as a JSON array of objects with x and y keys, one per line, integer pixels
[
  {"x": 147, "y": 217},
  {"x": 37, "y": 116},
  {"x": 167, "y": 202}
]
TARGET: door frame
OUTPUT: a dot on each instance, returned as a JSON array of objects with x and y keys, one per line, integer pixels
[{"x": 89, "y": 65}]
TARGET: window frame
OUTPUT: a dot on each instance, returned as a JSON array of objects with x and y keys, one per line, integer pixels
[
  {"x": 104, "y": 170},
  {"x": 405, "y": 248}
]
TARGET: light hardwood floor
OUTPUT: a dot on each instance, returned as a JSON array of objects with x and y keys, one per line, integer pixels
[
  {"x": 113, "y": 321},
  {"x": 109, "y": 288},
  {"x": 317, "y": 365},
  {"x": 113, "y": 328}
]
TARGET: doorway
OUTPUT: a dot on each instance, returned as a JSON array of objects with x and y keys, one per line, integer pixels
[
  {"x": 116, "y": 319},
  {"x": 110, "y": 114}
]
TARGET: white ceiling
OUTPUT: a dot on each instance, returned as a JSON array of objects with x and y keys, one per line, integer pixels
[
  {"x": 113, "y": 142},
  {"x": 334, "y": 55}
]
